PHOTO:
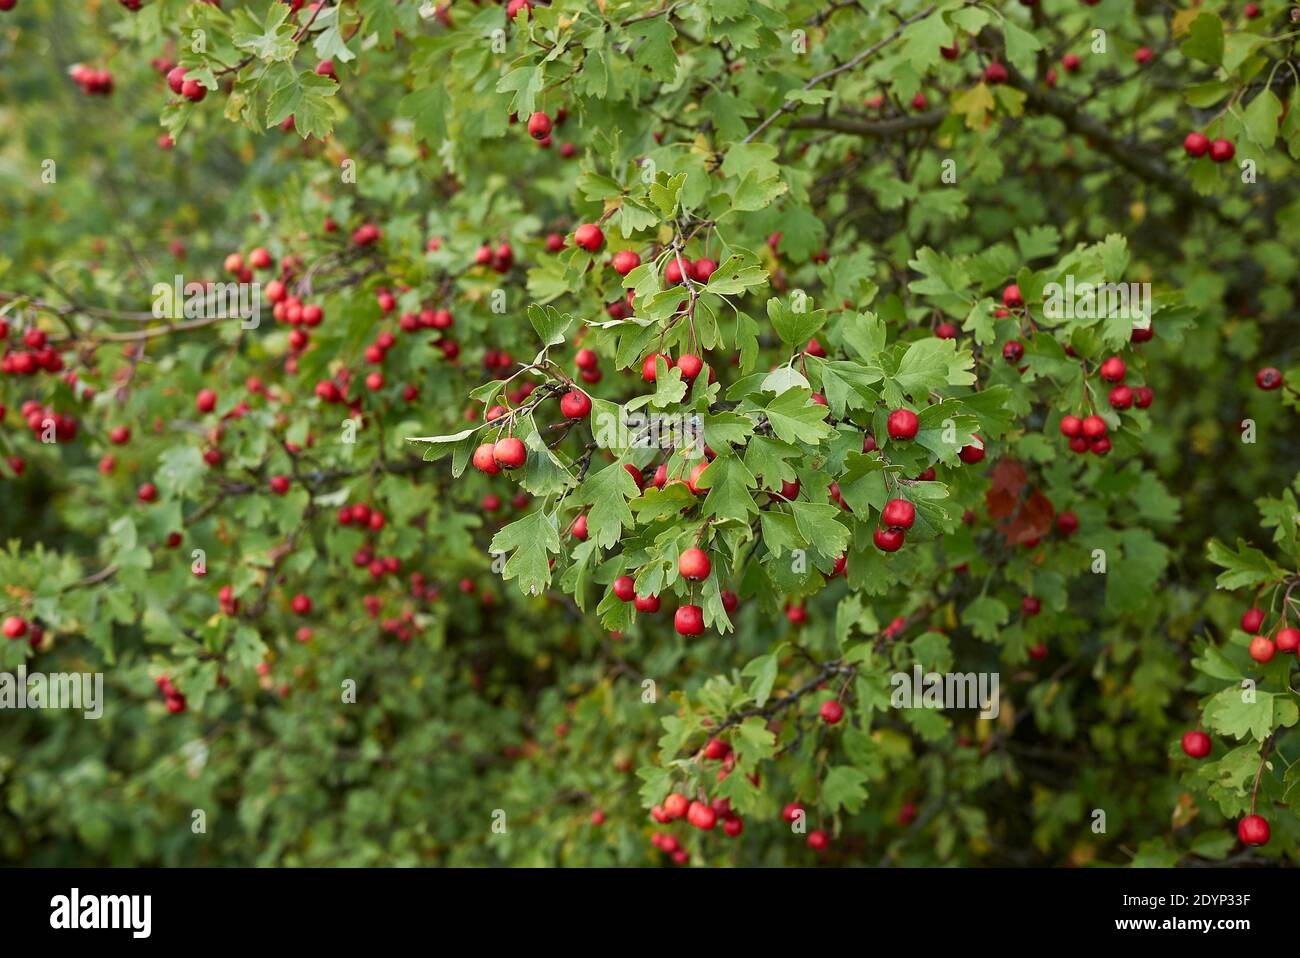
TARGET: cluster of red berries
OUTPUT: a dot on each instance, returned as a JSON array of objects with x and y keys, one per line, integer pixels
[
  {"x": 500, "y": 259},
  {"x": 1253, "y": 829},
  {"x": 1086, "y": 434},
  {"x": 688, "y": 364},
  {"x": 39, "y": 418},
  {"x": 92, "y": 81},
  {"x": 1197, "y": 145},
  {"x": 588, "y": 364},
  {"x": 700, "y": 270},
  {"x": 183, "y": 86},
  {"x": 362, "y": 516},
  {"x": 895, "y": 519},
  {"x": 38, "y": 355},
  {"x": 492, "y": 457},
  {"x": 175, "y": 700},
  {"x": 1263, "y": 648}
]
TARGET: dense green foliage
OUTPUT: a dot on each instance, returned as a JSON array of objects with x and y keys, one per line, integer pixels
[{"x": 464, "y": 686}]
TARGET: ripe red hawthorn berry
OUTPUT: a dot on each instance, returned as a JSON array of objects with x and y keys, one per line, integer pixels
[
  {"x": 1113, "y": 370},
  {"x": 1011, "y": 297},
  {"x": 625, "y": 588},
  {"x": 1070, "y": 62},
  {"x": 1143, "y": 397},
  {"x": 1268, "y": 378},
  {"x": 1143, "y": 55},
  {"x": 301, "y": 604},
  {"x": 972, "y": 454},
  {"x": 484, "y": 459},
  {"x": 702, "y": 269},
  {"x": 675, "y": 805},
  {"x": 995, "y": 73},
  {"x": 729, "y": 601},
  {"x": 1196, "y": 744},
  {"x": 888, "y": 540},
  {"x": 952, "y": 52},
  {"x": 509, "y": 453},
  {"x": 1099, "y": 447},
  {"x": 15, "y": 627},
  {"x": 903, "y": 424},
  {"x": 1252, "y": 619},
  {"x": 119, "y": 435},
  {"x": 575, "y": 404},
  {"x": 898, "y": 514},
  {"x": 1221, "y": 151},
  {"x": 147, "y": 493},
  {"x": 1121, "y": 397},
  {"x": 818, "y": 841},
  {"x": 790, "y": 490},
  {"x": 796, "y": 614},
  {"x": 831, "y": 712},
  {"x": 649, "y": 368},
  {"x": 702, "y": 816},
  {"x": 694, "y": 564},
  {"x": 1030, "y": 605},
  {"x": 1093, "y": 427},
  {"x": 715, "y": 749},
  {"x": 693, "y": 480},
  {"x": 1253, "y": 830},
  {"x": 205, "y": 401},
  {"x": 792, "y": 811},
  {"x": 539, "y": 126},
  {"x": 1262, "y": 649},
  {"x": 689, "y": 620},
  {"x": 646, "y": 603},
  {"x": 626, "y": 260},
  {"x": 868, "y": 443},
  {"x": 945, "y": 331},
  {"x": 732, "y": 826},
  {"x": 193, "y": 91},
  {"x": 1013, "y": 351},
  {"x": 1287, "y": 640},
  {"x": 1067, "y": 523},
  {"x": 690, "y": 365},
  {"x": 586, "y": 359},
  {"x": 589, "y": 237},
  {"x": 279, "y": 485},
  {"x": 579, "y": 529}
]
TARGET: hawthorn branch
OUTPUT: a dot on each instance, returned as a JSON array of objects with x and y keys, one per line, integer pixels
[{"x": 789, "y": 106}]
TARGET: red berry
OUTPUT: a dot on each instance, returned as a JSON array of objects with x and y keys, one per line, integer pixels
[
  {"x": 1143, "y": 397},
  {"x": 1268, "y": 378},
  {"x": 732, "y": 826},
  {"x": 509, "y": 453},
  {"x": 15, "y": 627},
  {"x": 1252, "y": 619},
  {"x": 1030, "y": 605},
  {"x": 205, "y": 401},
  {"x": 1196, "y": 145},
  {"x": 539, "y": 125},
  {"x": 649, "y": 368},
  {"x": 831, "y": 712},
  {"x": 1113, "y": 370},
  {"x": 575, "y": 404},
  {"x": 702, "y": 816},
  {"x": 675, "y": 805},
  {"x": 1121, "y": 397},
  {"x": 1196, "y": 744},
  {"x": 796, "y": 614},
  {"x": 689, "y": 620},
  {"x": 147, "y": 493},
  {"x": 1262, "y": 649},
  {"x": 972, "y": 454},
  {"x": 1253, "y": 830},
  {"x": 301, "y": 604},
  {"x": 898, "y": 514},
  {"x": 702, "y": 269},
  {"x": 715, "y": 749},
  {"x": 694, "y": 564},
  {"x": 818, "y": 841},
  {"x": 1221, "y": 151},
  {"x": 903, "y": 424},
  {"x": 625, "y": 588},
  {"x": 1287, "y": 640},
  {"x": 589, "y": 237},
  {"x": 690, "y": 366},
  {"x": 888, "y": 540},
  {"x": 646, "y": 603},
  {"x": 579, "y": 528},
  {"x": 279, "y": 485},
  {"x": 626, "y": 260},
  {"x": 484, "y": 459},
  {"x": 1094, "y": 427},
  {"x": 995, "y": 73},
  {"x": 1067, "y": 523},
  {"x": 729, "y": 601},
  {"x": 585, "y": 359},
  {"x": 1013, "y": 351}
]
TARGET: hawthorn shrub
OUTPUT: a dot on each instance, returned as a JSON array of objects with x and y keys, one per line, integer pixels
[{"x": 634, "y": 392}]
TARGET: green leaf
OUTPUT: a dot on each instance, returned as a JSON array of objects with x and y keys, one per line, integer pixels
[
  {"x": 1261, "y": 118},
  {"x": 1247, "y": 566},
  {"x": 795, "y": 329},
  {"x": 796, "y": 418},
  {"x": 763, "y": 671},
  {"x": 1205, "y": 39},
  {"x": 844, "y": 787},
  {"x": 551, "y": 325},
  {"x": 607, "y": 492},
  {"x": 529, "y": 539}
]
